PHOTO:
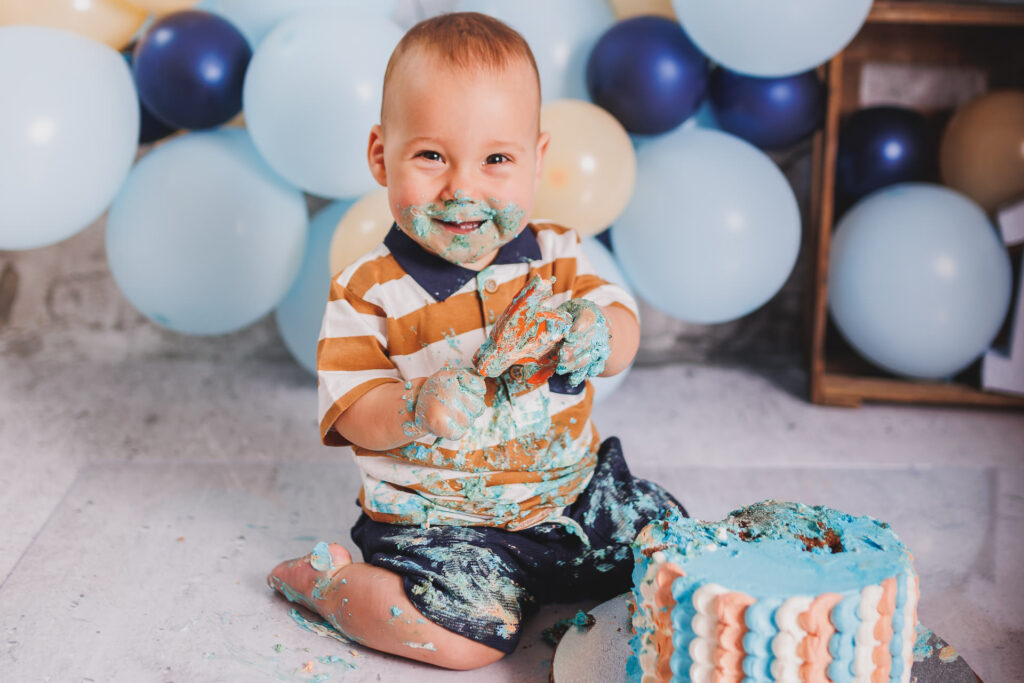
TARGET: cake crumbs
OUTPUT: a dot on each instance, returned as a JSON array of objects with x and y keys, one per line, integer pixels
[{"x": 582, "y": 621}]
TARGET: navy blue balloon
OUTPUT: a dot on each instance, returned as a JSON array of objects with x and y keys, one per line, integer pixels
[
  {"x": 770, "y": 113},
  {"x": 189, "y": 69},
  {"x": 151, "y": 128},
  {"x": 881, "y": 146},
  {"x": 647, "y": 74}
]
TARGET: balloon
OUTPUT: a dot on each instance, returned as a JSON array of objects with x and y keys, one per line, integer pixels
[
  {"x": 363, "y": 227},
  {"x": 712, "y": 230},
  {"x": 881, "y": 146},
  {"x": 918, "y": 281},
  {"x": 151, "y": 128},
  {"x": 69, "y": 126},
  {"x": 204, "y": 238},
  {"x": 189, "y": 68},
  {"x": 301, "y": 312},
  {"x": 604, "y": 265},
  {"x": 256, "y": 18},
  {"x": 624, "y": 9},
  {"x": 589, "y": 170},
  {"x": 771, "y": 37},
  {"x": 770, "y": 113},
  {"x": 982, "y": 149},
  {"x": 648, "y": 74},
  {"x": 313, "y": 92},
  {"x": 164, "y": 6},
  {"x": 113, "y": 22},
  {"x": 561, "y": 35}
]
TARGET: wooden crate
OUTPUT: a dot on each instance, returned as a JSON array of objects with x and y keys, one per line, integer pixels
[{"x": 976, "y": 35}]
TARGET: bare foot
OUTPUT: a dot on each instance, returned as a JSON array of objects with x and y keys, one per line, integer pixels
[
  {"x": 302, "y": 582},
  {"x": 368, "y": 605}
]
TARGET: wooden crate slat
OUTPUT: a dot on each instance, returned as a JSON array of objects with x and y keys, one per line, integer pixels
[{"x": 938, "y": 33}]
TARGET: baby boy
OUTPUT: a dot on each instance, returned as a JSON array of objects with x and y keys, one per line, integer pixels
[{"x": 483, "y": 496}]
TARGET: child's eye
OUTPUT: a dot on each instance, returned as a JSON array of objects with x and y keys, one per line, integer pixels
[
  {"x": 497, "y": 159},
  {"x": 429, "y": 155}
]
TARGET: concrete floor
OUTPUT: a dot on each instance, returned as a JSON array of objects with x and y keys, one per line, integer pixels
[{"x": 146, "y": 494}]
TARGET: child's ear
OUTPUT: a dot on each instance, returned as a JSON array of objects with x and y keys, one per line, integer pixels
[
  {"x": 542, "y": 148},
  {"x": 375, "y": 155}
]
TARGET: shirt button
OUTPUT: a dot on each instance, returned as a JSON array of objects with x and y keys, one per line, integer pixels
[{"x": 491, "y": 286}]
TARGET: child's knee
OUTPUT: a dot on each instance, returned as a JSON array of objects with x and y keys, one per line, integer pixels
[{"x": 467, "y": 654}]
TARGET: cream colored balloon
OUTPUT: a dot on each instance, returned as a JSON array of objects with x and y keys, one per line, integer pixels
[
  {"x": 113, "y": 22},
  {"x": 982, "y": 149},
  {"x": 590, "y": 168},
  {"x": 362, "y": 228},
  {"x": 164, "y": 6},
  {"x": 624, "y": 9}
]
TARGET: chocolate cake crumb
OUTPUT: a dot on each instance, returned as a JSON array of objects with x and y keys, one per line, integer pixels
[
  {"x": 649, "y": 551},
  {"x": 831, "y": 540},
  {"x": 835, "y": 543}
]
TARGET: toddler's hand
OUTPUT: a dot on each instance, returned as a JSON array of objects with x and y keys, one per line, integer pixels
[
  {"x": 449, "y": 401},
  {"x": 585, "y": 346}
]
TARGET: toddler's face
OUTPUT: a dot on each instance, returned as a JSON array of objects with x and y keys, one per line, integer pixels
[{"x": 461, "y": 154}]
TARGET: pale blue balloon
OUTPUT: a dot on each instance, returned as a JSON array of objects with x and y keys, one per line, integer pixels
[
  {"x": 561, "y": 35},
  {"x": 69, "y": 130},
  {"x": 313, "y": 91},
  {"x": 712, "y": 230},
  {"x": 604, "y": 265},
  {"x": 919, "y": 282},
  {"x": 704, "y": 117},
  {"x": 771, "y": 37},
  {"x": 256, "y": 18},
  {"x": 301, "y": 312},
  {"x": 204, "y": 238}
]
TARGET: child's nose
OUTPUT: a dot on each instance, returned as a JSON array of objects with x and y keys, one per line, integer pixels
[{"x": 458, "y": 184}]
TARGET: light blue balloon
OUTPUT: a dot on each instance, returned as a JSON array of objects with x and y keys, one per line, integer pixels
[
  {"x": 256, "y": 18},
  {"x": 712, "y": 230},
  {"x": 561, "y": 35},
  {"x": 771, "y": 37},
  {"x": 301, "y": 312},
  {"x": 604, "y": 265},
  {"x": 918, "y": 281},
  {"x": 313, "y": 91},
  {"x": 704, "y": 117},
  {"x": 69, "y": 130},
  {"x": 204, "y": 238}
]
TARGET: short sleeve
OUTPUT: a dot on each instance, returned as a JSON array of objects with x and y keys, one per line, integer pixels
[
  {"x": 589, "y": 285},
  {"x": 351, "y": 356}
]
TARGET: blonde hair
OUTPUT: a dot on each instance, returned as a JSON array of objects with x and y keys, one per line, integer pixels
[{"x": 464, "y": 40}]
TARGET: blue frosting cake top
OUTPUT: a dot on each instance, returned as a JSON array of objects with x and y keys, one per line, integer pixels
[{"x": 775, "y": 548}]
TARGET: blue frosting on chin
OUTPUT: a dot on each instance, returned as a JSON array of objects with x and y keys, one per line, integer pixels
[{"x": 775, "y": 548}]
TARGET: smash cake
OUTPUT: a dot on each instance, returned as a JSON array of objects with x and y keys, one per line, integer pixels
[{"x": 775, "y": 592}]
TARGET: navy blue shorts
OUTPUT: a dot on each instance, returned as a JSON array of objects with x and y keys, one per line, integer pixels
[{"x": 482, "y": 582}]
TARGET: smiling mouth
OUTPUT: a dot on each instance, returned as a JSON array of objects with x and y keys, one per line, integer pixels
[{"x": 460, "y": 228}]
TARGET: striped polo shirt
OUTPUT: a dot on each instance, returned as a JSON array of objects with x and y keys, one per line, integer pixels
[{"x": 400, "y": 313}]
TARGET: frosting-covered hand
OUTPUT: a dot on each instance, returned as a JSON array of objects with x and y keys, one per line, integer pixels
[
  {"x": 449, "y": 401},
  {"x": 586, "y": 346}
]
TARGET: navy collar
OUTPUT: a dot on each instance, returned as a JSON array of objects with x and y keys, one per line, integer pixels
[{"x": 442, "y": 278}]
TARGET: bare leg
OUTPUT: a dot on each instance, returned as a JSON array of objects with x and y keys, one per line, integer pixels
[{"x": 368, "y": 604}]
